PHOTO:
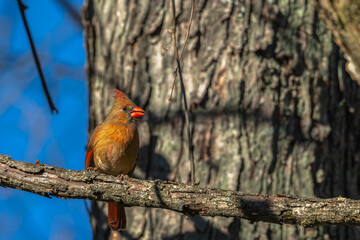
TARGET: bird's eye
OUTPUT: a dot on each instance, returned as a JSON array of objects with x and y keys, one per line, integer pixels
[{"x": 124, "y": 108}]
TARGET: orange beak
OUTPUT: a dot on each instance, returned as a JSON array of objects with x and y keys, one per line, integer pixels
[{"x": 137, "y": 112}]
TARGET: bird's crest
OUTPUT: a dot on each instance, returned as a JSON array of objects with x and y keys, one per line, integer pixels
[{"x": 120, "y": 95}]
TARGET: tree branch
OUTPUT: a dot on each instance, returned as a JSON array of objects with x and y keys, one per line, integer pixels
[{"x": 188, "y": 199}]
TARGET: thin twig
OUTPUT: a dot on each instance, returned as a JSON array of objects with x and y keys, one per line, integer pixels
[
  {"x": 192, "y": 164},
  {"x": 183, "y": 48},
  {"x": 52, "y": 106}
]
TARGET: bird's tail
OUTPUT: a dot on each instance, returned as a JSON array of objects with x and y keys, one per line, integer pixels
[{"x": 116, "y": 216}]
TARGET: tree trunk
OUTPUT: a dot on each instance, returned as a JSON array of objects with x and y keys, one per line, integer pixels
[
  {"x": 343, "y": 19},
  {"x": 273, "y": 110}
]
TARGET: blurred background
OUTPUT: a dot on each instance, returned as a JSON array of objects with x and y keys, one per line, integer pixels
[{"x": 28, "y": 129}]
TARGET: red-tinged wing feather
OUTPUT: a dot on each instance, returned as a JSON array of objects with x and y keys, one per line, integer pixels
[
  {"x": 88, "y": 157},
  {"x": 90, "y": 150}
]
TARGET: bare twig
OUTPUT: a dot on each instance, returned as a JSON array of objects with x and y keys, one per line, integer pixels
[
  {"x": 188, "y": 199},
  {"x": 52, "y": 106},
  {"x": 191, "y": 156},
  {"x": 183, "y": 48}
]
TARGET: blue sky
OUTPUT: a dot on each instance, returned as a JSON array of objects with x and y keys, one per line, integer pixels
[{"x": 28, "y": 130}]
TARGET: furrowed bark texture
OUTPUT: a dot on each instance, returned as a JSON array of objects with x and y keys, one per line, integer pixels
[
  {"x": 273, "y": 109},
  {"x": 187, "y": 199},
  {"x": 343, "y": 19}
]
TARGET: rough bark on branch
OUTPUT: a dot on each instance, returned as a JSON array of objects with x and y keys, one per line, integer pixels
[{"x": 191, "y": 200}]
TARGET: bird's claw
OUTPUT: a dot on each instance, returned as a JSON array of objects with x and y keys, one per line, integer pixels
[
  {"x": 123, "y": 177},
  {"x": 95, "y": 169},
  {"x": 126, "y": 178},
  {"x": 37, "y": 162}
]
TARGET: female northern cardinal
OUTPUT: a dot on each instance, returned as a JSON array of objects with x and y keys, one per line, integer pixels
[{"x": 113, "y": 148}]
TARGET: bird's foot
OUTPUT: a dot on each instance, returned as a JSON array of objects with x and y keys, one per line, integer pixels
[
  {"x": 37, "y": 162},
  {"x": 123, "y": 177},
  {"x": 126, "y": 179},
  {"x": 95, "y": 169}
]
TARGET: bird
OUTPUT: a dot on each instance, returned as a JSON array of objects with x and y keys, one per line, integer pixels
[{"x": 113, "y": 149}]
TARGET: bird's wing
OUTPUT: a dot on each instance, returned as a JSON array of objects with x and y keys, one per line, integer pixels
[{"x": 90, "y": 151}]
